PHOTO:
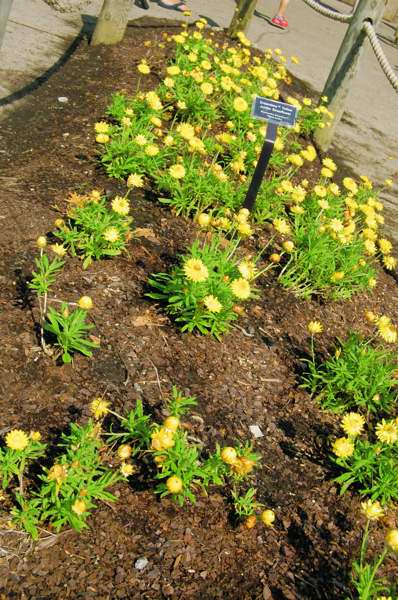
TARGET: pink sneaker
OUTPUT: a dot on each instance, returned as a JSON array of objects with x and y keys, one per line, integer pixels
[{"x": 280, "y": 22}]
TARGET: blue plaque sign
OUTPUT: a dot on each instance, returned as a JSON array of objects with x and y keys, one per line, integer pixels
[{"x": 278, "y": 113}]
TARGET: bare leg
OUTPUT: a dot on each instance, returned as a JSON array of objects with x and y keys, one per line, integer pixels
[{"x": 282, "y": 7}]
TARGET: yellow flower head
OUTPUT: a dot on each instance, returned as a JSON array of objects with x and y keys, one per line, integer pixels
[
  {"x": 41, "y": 242},
  {"x": 162, "y": 439},
  {"x": 241, "y": 288},
  {"x": 288, "y": 246},
  {"x": 337, "y": 276},
  {"x": 143, "y": 68},
  {"x": 329, "y": 164},
  {"x": 99, "y": 407},
  {"x": 35, "y": 436},
  {"x": 240, "y": 104},
  {"x": 153, "y": 101},
  {"x": 267, "y": 517},
  {"x": 120, "y": 205},
  {"x": 247, "y": 269},
  {"x": 315, "y": 327},
  {"x": 86, "y": 303},
  {"x": 57, "y": 473},
  {"x": 334, "y": 189},
  {"x": 320, "y": 191},
  {"x": 101, "y": 127},
  {"x": 126, "y": 469},
  {"x": 387, "y": 431},
  {"x": 353, "y": 424},
  {"x": 212, "y": 304},
  {"x": 102, "y": 138},
  {"x": 295, "y": 159},
  {"x": 140, "y": 139},
  {"x": 281, "y": 226},
  {"x": 79, "y": 507},
  {"x": 389, "y": 262},
  {"x": 207, "y": 88},
  {"x": 177, "y": 171},
  {"x": 124, "y": 451},
  {"x": 350, "y": 185},
  {"x": 195, "y": 270},
  {"x": 328, "y": 173},
  {"x": 388, "y": 182},
  {"x": 58, "y": 249},
  {"x": 173, "y": 70},
  {"x": 17, "y": 439},
  {"x": 243, "y": 39},
  {"x": 203, "y": 220},
  {"x": 244, "y": 229},
  {"x": 388, "y": 333},
  {"x": 372, "y": 510},
  {"x": 392, "y": 539},
  {"x": 295, "y": 60},
  {"x": 111, "y": 234},
  {"x": 343, "y": 447},
  {"x": 135, "y": 180},
  {"x": 186, "y": 131},
  {"x": 385, "y": 246}
]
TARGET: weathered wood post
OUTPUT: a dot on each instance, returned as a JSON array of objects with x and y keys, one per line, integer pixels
[
  {"x": 5, "y": 8},
  {"x": 346, "y": 66},
  {"x": 112, "y": 22},
  {"x": 242, "y": 15}
]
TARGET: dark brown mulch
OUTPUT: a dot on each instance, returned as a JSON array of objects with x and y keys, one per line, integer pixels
[{"x": 250, "y": 378}]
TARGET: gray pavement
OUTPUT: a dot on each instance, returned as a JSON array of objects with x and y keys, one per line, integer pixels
[{"x": 366, "y": 142}]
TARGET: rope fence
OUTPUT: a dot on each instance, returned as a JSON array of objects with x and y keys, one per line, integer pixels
[{"x": 370, "y": 33}]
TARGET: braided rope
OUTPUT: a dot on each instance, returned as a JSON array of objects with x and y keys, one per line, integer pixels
[
  {"x": 337, "y": 16},
  {"x": 379, "y": 52}
]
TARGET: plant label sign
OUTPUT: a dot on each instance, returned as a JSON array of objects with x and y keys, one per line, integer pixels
[
  {"x": 271, "y": 111},
  {"x": 275, "y": 113}
]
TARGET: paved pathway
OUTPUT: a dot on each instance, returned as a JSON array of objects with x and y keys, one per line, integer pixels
[{"x": 38, "y": 36}]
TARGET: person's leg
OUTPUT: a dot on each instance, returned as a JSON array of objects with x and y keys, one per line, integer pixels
[
  {"x": 280, "y": 20},
  {"x": 282, "y": 8}
]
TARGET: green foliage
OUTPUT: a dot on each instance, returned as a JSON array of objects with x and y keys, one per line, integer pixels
[
  {"x": 364, "y": 573},
  {"x": 178, "y": 404},
  {"x": 14, "y": 462},
  {"x": 245, "y": 505},
  {"x": 94, "y": 231},
  {"x": 45, "y": 275},
  {"x": 372, "y": 469},
  {"x": 358, "y": 376},
  {"x": 70, "y": 330},
  {"x": 207, "y": 304},
  {"x": 137, "y": 429}
]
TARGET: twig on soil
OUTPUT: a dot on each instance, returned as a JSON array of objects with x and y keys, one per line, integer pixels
[
  {"x": 246, "y": 333},
  {"x": 157, "y": 377}
]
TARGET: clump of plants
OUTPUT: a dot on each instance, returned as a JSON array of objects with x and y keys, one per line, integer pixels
[
  {"x": 368, "y": 460},
  {"x": 202, "y": 293},
  {"x": 360, "y": 375},
  {"x": 365, "y": 579},
  {"x": 67, "y": 328},
  {"x": 90, "y": 459},
  {"x": 94, "y": 230}
]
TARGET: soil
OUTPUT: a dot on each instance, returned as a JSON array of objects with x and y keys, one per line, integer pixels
[{"x": 252, "y": 377}]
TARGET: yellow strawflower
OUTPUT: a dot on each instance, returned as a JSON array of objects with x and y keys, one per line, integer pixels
[
  {"x": 387, "y": 431},
  {"x": 120, "y": 205},
  {"x": 207, "y": 88},
  {"x": 392, "y": 539},
  {"x": 295, "y": 159},
  {"x": 388, "y": 333},
  {"x": 102, "y": 138},
  {"x": 99, "y": 408},
  {"x": 334, "y": 189},
  {"x": 315, "y": 327},
  {"x": 101, "y": 127},
  {"x": 17, "y": 439},
  {"x": 288, "y": 246},
  {"x": 267, "y": 517},
  {"x": 389, "y": 262},
  {"x": 79, "y": 507},
  {"x": 35, "y": 436},
  {"x": 177, "y": 171},
  {"x": 41, "y": 242},
  {"x": 228, "y": 455},
  {"x": 57, "y": 473},
  {"x": 140, "y": 139},
  {"x": 244, "y": 229},
  {"x": 240, "y": 105},
  {"x": 162, "y": 440},
  {"x": 353, "y": 424},
  {"x": 281, "y": 226},
  {"x": 195, "y": 270},
  {"x": 135, "y": 180},
  {"x": 186, "y": 131},
  {"x": 151, "y": 150},
  {"x": 58, "y": 249},
  {"x": 246, "y": 269},
  {"x": 173, "y": 70},
  {"x": 143, "y": 68},
  {"x": 350, "y": 185},
  {"x": 203, "y": 220},
  {"x": 328, "y": 173},
  {"x": 124, "y": 451},
  {"x": 85, "y": 302},
  {"x": 388, "y": 182},
  {"x": 329, "y": 164},
  {"x": 212, "y": 304},
  {"x": 320, "y": 191},
  {"x": 174, "y": 484},
  {"x": 372, "y": 510},
  {"x": 241, "y": 288},
  {"x": 126, "y": 469},
  {"x": 343, "y": 447},
  {"x": 111, "y": 234},
  {"x": 385, "y": 246},
  {"x": 243, "y": 39}
]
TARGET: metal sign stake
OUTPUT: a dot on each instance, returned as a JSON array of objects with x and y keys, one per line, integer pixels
[{"x": 263, "y": 160}]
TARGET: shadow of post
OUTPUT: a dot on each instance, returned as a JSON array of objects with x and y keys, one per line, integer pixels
[{"x": 84, "y": 33}]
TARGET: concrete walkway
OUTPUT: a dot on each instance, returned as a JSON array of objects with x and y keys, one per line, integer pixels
[{"x": 38, "y": 36}]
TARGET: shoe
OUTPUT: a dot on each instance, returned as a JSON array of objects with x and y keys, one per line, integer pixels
[
  {"x": 178, "y": 6},
  {"x": 144, "y": 4},
  {"x": 280, "y": 22}
]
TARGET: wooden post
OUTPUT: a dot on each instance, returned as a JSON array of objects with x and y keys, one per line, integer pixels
[
  {"x": 112, "y": 22},
  {"x": 346, "y": 66},
  {"x": 5, "y": 8},
  {"x": 243, "y": 13}
]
